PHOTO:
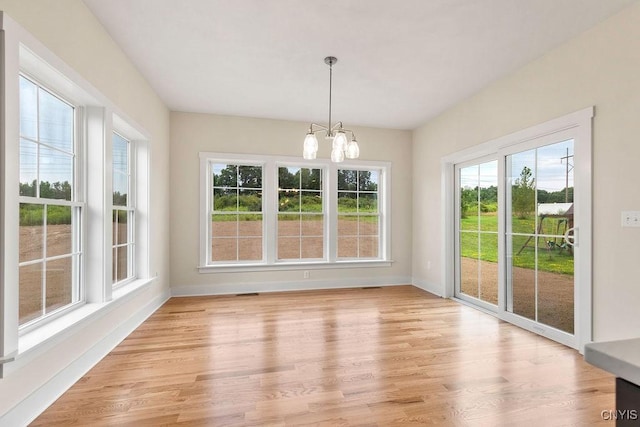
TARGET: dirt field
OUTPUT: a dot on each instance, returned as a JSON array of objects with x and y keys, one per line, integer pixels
[
  {"x": 555, "y": 292},
  {"x": 296, "y": 239}
]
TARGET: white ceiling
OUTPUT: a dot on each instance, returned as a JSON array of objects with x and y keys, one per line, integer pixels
[{"x": 400, "y": 62}]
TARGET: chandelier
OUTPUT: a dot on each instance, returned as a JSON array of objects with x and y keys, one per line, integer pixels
[{"x": 342, "y": 146}]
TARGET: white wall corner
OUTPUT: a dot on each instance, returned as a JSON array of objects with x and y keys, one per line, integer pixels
[{"x": 432, "y": 288}]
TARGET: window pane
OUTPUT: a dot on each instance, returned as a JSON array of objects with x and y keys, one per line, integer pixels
[
  {"x": 59, "y": 283},
  {"x": 123, "y": 264},
  {"x": 311, "y": 179},
  {"x": 368, "y": 225},
  {"x": 250, "y": 176},
  {"x": 312, "y": 225},
  {"x": 312, "y": 247},
  {"x": 31, "y": 232},
  {"x": 311, "y": 201},
  {"x": 347, "y": 225},
  {"x": 250, "y": 249},
  {"x": 56, "y": 122},
  {"x": 30, "y": 299},
  {"x": 56, "y": 174},
  {"x": 120, "y": 154},
  {"x": 368, "y": 180},
  {"x": 347, "y": 247},
  {"x": 368, "y": 203},
  {"x": 347, "y": 180},
  {"x": 225, "y": 175},
  {"x": 28, "y": 109},
  {"x": 121, "y": 177},
  {"x": 250, "y": 201},
  {"x": 288, "y": 178},
  {"x": 289, "y": 201},
  {"x": 523, "y": 182},
  {"x": 224, "y": 249},
  {"x": 122, "y": 235},
  {"x": 224, "y": 225},
  {"x": 250, "y": 225},
  {"x": 347, "y": 202},
  {"x": 288, "y": 225},
  {"x": 368, "y": 247},
  {"x": 288, "y": 248},
  {"x": 120, "y": 189},
  {"x": 28, "y": 168},
  {"x": 59, "y": 231},
  {"x": 469, "y": 263},
  {"x": 225, "y": 199}
]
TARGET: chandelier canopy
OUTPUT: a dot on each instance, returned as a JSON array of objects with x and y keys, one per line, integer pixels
[{"x": 342, "y": 147}]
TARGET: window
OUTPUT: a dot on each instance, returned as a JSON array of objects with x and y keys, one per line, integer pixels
[
  {"x": 56, "y": 140},
  {"x": 358, "y": 215},
  {"x": 268, "y": 212},
  {"x": 236, "y": 215},
  {"x": 50, "y": 213},
  {"x": 123, "y": 210},
  {"x": 300, "y": 213}
]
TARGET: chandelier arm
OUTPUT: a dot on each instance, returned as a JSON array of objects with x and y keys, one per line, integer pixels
[
  {"x": 353, "y": 134},
  {"x": 337, "y": 126},
  {"x": 318, "y": 126}
]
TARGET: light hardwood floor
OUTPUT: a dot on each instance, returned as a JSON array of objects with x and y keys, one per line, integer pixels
[{"x": 380, "y": 356}]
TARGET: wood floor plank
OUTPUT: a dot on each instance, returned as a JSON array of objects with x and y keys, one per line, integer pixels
[{"x": 392, "y": 356}]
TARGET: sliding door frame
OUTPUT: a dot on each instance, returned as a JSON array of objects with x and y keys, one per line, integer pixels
[{"x": 579, "y": 124}]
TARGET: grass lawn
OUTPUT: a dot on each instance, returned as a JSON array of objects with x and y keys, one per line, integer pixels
[{"x": 553, "y": 260}]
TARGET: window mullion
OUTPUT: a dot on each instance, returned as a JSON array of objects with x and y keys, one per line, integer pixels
[{"x": 270, "y": 212}]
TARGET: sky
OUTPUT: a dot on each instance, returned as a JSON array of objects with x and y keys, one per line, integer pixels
[{"x": 546, "y": 164}]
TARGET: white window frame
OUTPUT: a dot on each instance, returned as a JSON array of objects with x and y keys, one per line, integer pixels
[
  {"x": 209, "y": 211},
  {"x": 130, "y": 208},
  {"x": 324, "y": 173},
  {"x": 361, "y": 168},
  {"x": 270, "y": 213},
  {"x": 77, "y": 205},
  {"x": 96, "y": 118}
]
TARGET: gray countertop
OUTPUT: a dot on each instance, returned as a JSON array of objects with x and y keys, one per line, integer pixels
[{"x": 621, "y": 358}]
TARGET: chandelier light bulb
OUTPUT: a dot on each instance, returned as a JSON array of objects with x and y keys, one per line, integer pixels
[
  {"x": 311, "y": 142},
  {"x": 309, "y": 154},
  {"x": 352, "y": 151},
  {"x": 340, "y": 141},
  {"x": 337, "y": 155}
]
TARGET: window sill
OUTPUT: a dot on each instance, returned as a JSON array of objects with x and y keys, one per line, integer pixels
[
  {"x": 75, "y": 319},
  {"x": 292, "y": 266}
]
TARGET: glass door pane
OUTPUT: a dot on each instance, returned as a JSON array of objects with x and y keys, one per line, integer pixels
[
  {"x": 539, "y": 211},
  {"x": 477, "y": 242}
]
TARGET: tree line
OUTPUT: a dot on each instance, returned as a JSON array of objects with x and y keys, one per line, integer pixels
[{"x": 523, "y": 196}]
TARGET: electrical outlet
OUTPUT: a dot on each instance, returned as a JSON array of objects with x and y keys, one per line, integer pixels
[
  {"x": 306, "y": 274},
  {"x": 631, "y": 219}
]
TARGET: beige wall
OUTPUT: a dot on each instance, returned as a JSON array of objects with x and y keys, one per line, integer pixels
[
  {"x": 192, "y": 133},
  {"x": 71, "y": 32},
  {"x": 600, "y": 67}
]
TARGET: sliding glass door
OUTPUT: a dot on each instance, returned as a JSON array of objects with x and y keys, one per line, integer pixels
[{"x": 521, "y": 225}]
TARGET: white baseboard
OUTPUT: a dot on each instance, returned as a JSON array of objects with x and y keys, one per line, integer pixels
[
  {"x": 298, "y": 285},
  {"x": 429, "y": 287},
  {"x": 33, "y": 405}
]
